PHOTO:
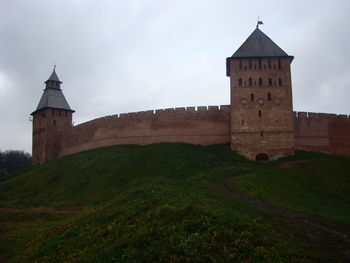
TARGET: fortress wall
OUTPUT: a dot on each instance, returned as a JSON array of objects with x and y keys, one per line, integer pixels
[
  {"x": 321, "y": 132},
  {"x": 202, "y": 125}
]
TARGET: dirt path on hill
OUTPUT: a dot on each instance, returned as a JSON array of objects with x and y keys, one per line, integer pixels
[{"x": 334, "y": 237}]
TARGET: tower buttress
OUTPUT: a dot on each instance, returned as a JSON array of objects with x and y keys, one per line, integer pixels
[
  {"x": 262, "y": 125},
  {"x": 51, "y": 120}
]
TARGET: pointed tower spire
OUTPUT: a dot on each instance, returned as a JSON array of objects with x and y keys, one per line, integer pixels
[
  {"x": 53, "y": 82},
  {"x": 53, "y": 97}
]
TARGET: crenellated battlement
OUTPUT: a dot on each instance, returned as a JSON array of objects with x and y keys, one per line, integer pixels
[
  {"x": 201, "y": 125},
  {"x": 169, "y": 112},
  {"x": 314, "y": 115}
]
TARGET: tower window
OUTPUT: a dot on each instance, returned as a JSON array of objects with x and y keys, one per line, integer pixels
[
  {"x": 240, "y": 82},
  {"x": 259, "y": 63},
  {"x": 240, "y": 64},
  {"x": 260, "y": 81},
  {"x": 242, "y": 122},
  {"x": 269, "y": 96},
  {"x": 65, "y": 113},
  {"x": 270, "y": 82},
  {"x": 54, "y": 122},
  {"x": 260, "y": 113},
  {"x": 279, "y": 63},
  {"x": 250, "y": 64},
  {"x": 269, "y": 62},
  {"x": 280, "y": 82},
  {"x": 53, "y": 112},
  {"x": 250, "y": 82},
  {"x": 252, "y": 97},
  {"x": 262, "y": 133}
]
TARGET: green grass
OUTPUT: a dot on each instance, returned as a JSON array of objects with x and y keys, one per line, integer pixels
[
  {"x": 320, "y": 185},
  {"x": 163, "y": 203}
]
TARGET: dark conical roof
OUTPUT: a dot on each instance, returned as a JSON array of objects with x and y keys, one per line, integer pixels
[
  {"x": 259, "y": 45},
  {"x": 53, "y": 97}
]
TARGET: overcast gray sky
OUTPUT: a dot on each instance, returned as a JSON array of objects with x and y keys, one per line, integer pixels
[{"x": 133, "y": 55}]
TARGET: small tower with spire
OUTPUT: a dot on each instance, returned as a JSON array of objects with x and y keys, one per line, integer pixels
[
  {"x": 51, "y": 120},
  {"x": 261, "y": 99}
]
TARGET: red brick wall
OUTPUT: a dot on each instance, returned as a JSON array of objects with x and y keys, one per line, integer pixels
[
  {"x": 261, "y": 115},
  {"x": 203, "y": 126},
  {"x": 321, "y": 132},
  {"x": 48, "y": 128}
]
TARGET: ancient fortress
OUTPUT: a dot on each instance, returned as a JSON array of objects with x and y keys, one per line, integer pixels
[{"x": 259, "y": 124}]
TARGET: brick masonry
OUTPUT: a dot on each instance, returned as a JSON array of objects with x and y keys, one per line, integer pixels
[
  {"x": 319, "y": 132},
  {"x": 261, "y": 107}
]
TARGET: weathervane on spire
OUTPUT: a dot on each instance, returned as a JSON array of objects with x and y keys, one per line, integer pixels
[
  {"x": 54, "y": 66},
  {"x": 259, "y": 23}
]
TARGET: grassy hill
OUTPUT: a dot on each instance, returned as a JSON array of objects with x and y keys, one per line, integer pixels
[{"x": 177, "y": 203}]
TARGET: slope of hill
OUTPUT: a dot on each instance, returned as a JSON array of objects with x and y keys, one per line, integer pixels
[{"x": 177, "y": 203}]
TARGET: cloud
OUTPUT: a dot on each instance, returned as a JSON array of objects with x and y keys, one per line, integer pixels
[{"x": 125, "y": 56}]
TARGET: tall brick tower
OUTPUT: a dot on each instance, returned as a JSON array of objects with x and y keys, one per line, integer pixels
[
  {"x": 51, "y": 119},
  {"x": 261, "y": 99}
]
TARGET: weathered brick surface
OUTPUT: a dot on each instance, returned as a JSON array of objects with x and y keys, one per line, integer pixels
[
  {"x": 202, "y": 126},
  {"x": 261, "y": 107},
  {"x": 322, "y": 132},
  {"x": 49, "y": 132}
]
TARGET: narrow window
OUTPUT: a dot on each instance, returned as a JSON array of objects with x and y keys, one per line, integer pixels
[
  {"x": 259, "y": 63},
  {"x": 260, "y": 113},
  {"x": 54, "y": 122},
  {"x": 262, "y": 133},
  {"x": 252, "y": 97},
  {"x": 242, "y": 122},
  {"x": 59, "y": 113},
  {"x": 279, "y": 63},
  {"x": 280, "y": 82},
  {"x": 269, "y": 62},
  {"x": 240, "y": 64},
  {"x": 260, "y": 81},
  {"x": 65, "y": 113},
  {"x": 240, "y": 82},
  {"x": 250, "y": 64},
  {"x": 53, "y": 112},
  {"x": 250, "y": 82},
  {"x": 269, "y": 96},
  {"x": 270, "y": 82}
]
